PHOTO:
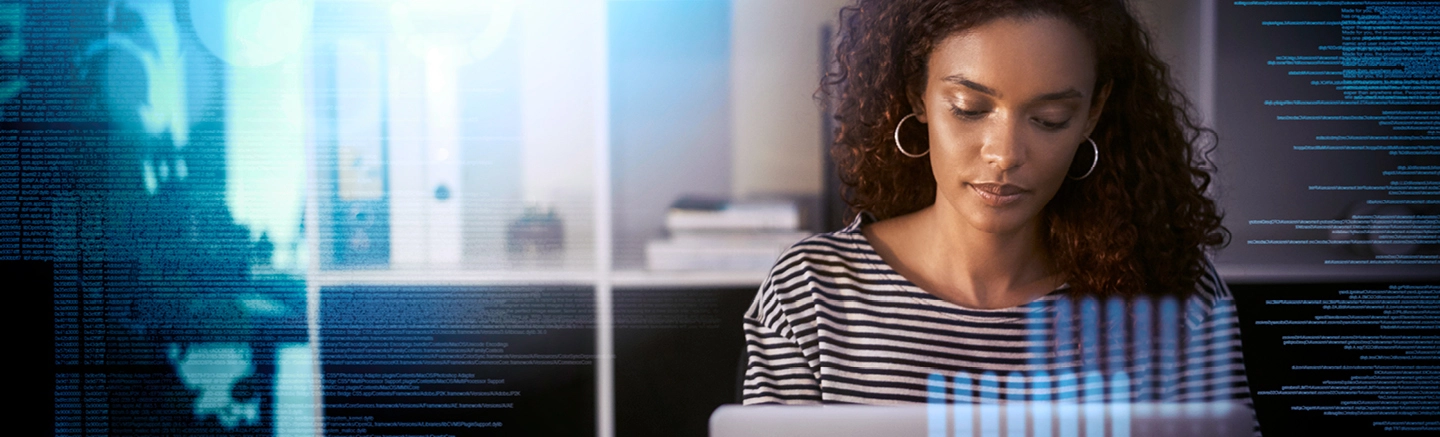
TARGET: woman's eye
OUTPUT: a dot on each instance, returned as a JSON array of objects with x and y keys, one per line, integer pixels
[
  {"x": 1052, "y": 125},
  {"x": 966, "y": 114}
]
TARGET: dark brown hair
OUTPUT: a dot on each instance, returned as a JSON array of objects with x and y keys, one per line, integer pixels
[{"x": 1140, "y": 224}]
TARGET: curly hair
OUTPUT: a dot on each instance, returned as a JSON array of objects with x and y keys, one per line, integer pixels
[{"x": 1139, "y": 225}]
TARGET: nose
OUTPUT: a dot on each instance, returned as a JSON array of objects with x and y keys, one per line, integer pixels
[{"x": 1003, "y": 147}]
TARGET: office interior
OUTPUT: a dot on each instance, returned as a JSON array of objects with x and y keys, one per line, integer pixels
[{"x": 307, "y": 217}]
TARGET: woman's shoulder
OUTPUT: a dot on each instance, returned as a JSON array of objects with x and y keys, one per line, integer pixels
[
  {"x": 826, "y": 256},
  {"x": 1209, "y": 286},
  {"x": 844, "y": 246},
  {"x": 817, "y": 263},
  {"x": 1211, "y": 297}
]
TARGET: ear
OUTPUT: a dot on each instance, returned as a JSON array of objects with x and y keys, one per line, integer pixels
[
  {"x": 917, "y": 104},
  {"x": 1097, "y": 105}
]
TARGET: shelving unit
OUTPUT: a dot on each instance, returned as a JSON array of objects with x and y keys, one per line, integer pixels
[
  {"x": 430, "y": 156},
  {"x": 605, "y": 123}
]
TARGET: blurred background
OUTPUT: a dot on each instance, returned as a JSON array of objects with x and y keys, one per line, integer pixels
[{"x": 532, "y": 217}]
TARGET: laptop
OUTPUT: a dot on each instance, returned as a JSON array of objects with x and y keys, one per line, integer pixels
[{"x": 1028, "y": 419}]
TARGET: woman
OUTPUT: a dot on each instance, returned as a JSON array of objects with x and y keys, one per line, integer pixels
[{"x": 1032, "y": 220}]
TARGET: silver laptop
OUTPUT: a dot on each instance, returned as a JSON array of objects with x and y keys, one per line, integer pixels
[{"x": 1028, "y": 419}]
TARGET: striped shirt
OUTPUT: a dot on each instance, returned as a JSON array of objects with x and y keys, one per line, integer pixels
[{"x": 835, "y": 324}]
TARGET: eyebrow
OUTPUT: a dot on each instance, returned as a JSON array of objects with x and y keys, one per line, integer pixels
[{"x": 1058, "y": 95}]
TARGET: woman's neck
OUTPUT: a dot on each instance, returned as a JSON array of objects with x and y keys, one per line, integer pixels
[{"x": 970, "y": 267}]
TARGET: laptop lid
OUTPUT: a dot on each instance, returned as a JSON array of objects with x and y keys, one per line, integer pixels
[{"x": 1029, "y": 419}]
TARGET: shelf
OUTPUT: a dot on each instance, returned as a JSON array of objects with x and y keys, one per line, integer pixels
[
  {"x": 626, "y": 278},
  {"x": 719, "y": 279},
  {"x": 336, "y": 278},
  {"x": 1321, "y": 273}
]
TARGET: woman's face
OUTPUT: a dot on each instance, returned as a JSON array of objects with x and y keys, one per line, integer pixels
[{"x": 1007, "y": 103}]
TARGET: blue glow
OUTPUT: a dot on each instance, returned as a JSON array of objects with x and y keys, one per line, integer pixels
[
  {"x": 267, "y": 125},
  {"x": 211, "y": 371},
  {"x": 252, "y": 33},
  {"x": 295, "y": 391},
  {"x": 12, "y": 16},
  {"x": 449, "y": 25},
  {"x": 165, "y": 109}
]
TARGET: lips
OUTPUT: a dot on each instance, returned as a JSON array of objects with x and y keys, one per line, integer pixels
[{"x": 998, "y": 194}]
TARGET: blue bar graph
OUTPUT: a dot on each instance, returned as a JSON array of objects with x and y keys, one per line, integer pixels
[
  {"x": 1142, "y": 337},
  {"x": 1090, "y": 333},
  {"x": 1119, "y": 416},
  {"x": 1196, "y": 339},
  {"x": 1115, "y": 338},
  {"x": 1094, "y": 404},
  {"x": 1014, "y": 411},
  {"x": 1042, "y": 409},
  {"x": 935, "y": 405},
  {"x": 1169, "y": 348},
  {"x": 964, "y": 407},
  {"x": 988, "y": 392},
  {"x": 1064, "y": 330}
]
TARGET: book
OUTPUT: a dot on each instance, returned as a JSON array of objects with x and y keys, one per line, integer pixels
[
  {"x": 671, "y": 255},
  {"x": 733, "y": 216}
]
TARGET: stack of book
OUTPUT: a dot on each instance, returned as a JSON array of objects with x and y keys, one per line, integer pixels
[{"x": 713, "y": 234}]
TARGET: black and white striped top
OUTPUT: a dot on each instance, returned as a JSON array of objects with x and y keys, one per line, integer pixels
[{"x": 835, "y": 324}]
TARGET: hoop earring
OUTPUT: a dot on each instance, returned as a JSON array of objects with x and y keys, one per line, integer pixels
[
  {"x": 1092, "y": 163},
  {"x": 897, "y": 139}
]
